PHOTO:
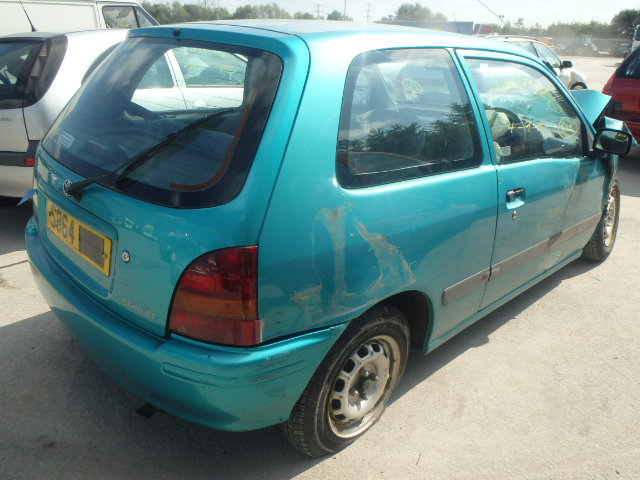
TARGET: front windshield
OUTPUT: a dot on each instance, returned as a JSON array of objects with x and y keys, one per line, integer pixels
[{"x": 148, "y": 90}]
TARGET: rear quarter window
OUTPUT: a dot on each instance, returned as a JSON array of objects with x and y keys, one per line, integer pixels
[
  {"x": 405, "y": 114},
  {"x": 27, "y": 70},
  {"x": 631, "y": 67}
]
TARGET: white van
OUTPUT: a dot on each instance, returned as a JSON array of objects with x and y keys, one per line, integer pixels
[{"x": 69, "y": 15}]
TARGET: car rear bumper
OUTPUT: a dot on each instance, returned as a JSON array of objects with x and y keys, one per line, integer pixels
[
  {"x": 16, "y": 178},
  {"x": 221, "y": 387},
  {"x": 15, "y": 181}
]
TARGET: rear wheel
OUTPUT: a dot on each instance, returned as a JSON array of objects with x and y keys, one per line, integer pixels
[
  {"x": 578, "y": 86},
  {"x": 601, "y": 243},
  {"x": 351, "y": 388}
]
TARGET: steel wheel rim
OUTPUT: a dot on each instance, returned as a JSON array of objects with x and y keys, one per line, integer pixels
[
  {"x": 609, "y": 223},
  {"x": 362, "y": 386}
]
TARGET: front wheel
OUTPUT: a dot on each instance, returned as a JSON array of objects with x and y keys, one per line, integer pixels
[
  {"x": 350, "y": 390},
  {"x": 601, "y": 243},
  {"x": 578, "y": 86}
]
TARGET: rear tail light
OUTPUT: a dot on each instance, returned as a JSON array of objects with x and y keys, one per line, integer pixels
[
  {"x": 29, "y": 162},
  {"x": 216, "y": 300}
]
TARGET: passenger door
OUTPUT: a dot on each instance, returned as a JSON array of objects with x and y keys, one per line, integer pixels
[
  {"x": 549, "y": 191},
  {"x": 412, "y": 208}
]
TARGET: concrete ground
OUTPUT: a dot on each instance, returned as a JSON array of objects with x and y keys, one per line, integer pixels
[{"x": 547, "y": 387}]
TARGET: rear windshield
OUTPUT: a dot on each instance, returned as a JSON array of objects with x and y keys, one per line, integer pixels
[
  {"x": 27, "y": 69},
  {"x": 630, "y": 67},
  {"x": 175, "y": 123}
]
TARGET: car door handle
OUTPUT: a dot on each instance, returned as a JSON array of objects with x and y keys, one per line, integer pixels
[{"x": 515, "y": 194}]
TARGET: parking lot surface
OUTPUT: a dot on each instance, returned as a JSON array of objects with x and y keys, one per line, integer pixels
[{"x": 546, "y": 387}]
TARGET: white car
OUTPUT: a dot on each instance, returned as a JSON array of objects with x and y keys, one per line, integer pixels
[
  {"x": 39, "y": 73},
  {"x": 571, "y": 78},
  {"x": 190, "y": 79},
  {"x": 18, "y": 16}
]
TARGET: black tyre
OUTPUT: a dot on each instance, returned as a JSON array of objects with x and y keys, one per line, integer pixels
[
  {"x": 603, "y": 239},
  {"x": 349, "y": 391},
  {"x": 578, "y": 86}
]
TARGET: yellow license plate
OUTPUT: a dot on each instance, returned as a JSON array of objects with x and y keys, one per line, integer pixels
[{"x": 94, "y": 247}]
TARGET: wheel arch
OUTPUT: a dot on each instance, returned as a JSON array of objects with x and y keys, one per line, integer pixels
[{"x": 417, "y": 310}]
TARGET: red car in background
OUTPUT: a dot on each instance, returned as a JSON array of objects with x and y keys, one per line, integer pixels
[{"x": 624, "y": 87}]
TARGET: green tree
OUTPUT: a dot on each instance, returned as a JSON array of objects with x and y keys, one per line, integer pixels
[
  {"x": 596, "y": 29},
  {"x": 270, "y": 10},
  {"x": 416, "y": 12},
  {"x": 336, "y": 15},
  {"x": 623, "y": 22},
  {"x": 177, "y": 12},
  {"x": 303, "y": 16}
]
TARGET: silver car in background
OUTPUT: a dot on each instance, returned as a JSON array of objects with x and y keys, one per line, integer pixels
[
  {"x": 39, "y": 73},
  {"x": 571, "y": 78}
]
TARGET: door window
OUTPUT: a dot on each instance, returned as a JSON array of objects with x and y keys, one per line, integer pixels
[
  {"x": 119, "y": 17},
  {"x": 546, "y": 54},
  {"x": 631, "y": 67},
  {"x": 211, "y": 78},
  {"x": 144, "y": 19},
  {"x": 405, "y": 114},
  {"x": 210, "y": 68},
  {"x": 528, "y": 115},
  {"x": 13, "y": 57},
  {"x": 526, "y": 46}
]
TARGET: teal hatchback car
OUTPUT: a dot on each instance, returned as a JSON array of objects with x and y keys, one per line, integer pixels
[{"x": 262, "y": 238}]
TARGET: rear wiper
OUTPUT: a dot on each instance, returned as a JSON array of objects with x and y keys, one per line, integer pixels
[{"x": 75, "y": 189}]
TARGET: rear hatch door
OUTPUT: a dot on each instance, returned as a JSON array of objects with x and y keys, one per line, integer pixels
[{"x": 167, "y": 182}]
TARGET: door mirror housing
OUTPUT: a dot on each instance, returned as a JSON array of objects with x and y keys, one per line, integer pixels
[
  {"x": 614, "y": 141},
  {"x": 612, "y": 136},
  {"x": 567, "y": 64}
]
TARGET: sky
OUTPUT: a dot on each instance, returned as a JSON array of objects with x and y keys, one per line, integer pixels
[{"x": 544, "y": 12}]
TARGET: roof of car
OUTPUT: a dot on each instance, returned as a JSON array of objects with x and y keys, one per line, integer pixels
[
  {"x": 317, "y": 31},
  {"x": 42, "y": 36}
]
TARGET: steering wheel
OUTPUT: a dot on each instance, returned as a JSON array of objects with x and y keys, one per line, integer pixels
[{"x": 516, "y": 129}]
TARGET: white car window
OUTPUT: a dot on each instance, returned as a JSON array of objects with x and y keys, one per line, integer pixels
[
  {"x": 158, "y": 91},
  {"x": 210, "y": 78},
  {"x": 546, "y": 54},
  {"x": 121, "y": 16},
  {"x": 527, "y": 46}
]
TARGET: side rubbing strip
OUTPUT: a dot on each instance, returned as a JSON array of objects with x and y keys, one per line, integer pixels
[
  {"x": 465, "y": 286},
  {"x": 474, "y": 281},
  {"x": 530, "y": 253}
]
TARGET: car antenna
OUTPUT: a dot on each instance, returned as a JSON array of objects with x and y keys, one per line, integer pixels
[
  {"x": 456, "y": 22},
  {"x": 33, "y": 29}
]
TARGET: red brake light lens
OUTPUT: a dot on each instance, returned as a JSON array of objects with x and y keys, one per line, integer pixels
[
  {"x": 216, "y": 300},
  {"x": 29, "y": 162}
]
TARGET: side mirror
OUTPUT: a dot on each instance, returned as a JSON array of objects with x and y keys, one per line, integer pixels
[
  {"x": 567, "y": 64},
  {"x": 613, "y": 141}
]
